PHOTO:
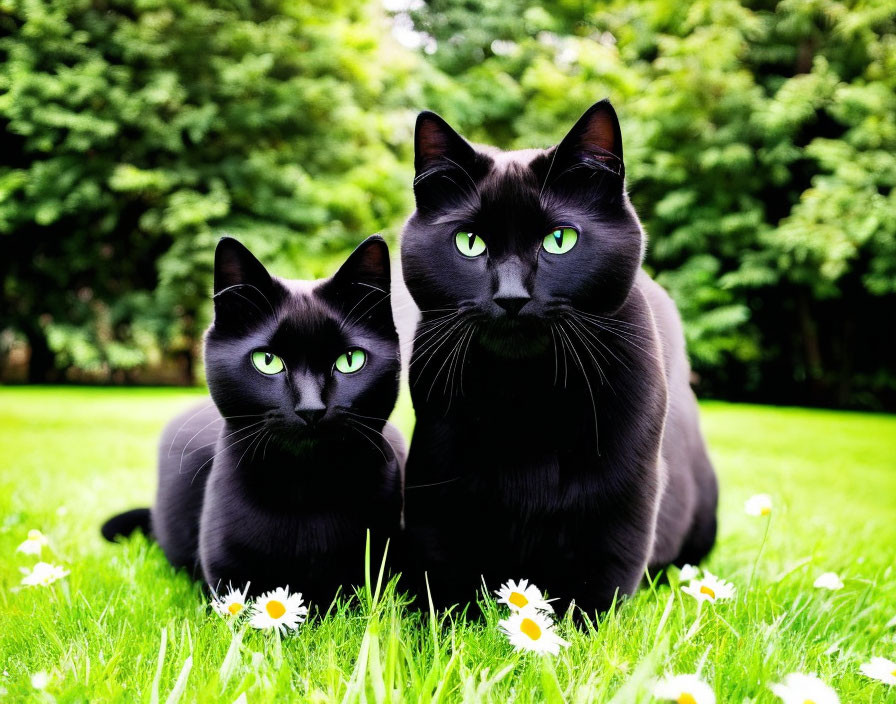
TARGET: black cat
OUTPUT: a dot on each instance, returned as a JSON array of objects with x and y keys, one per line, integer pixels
[
  {"x": 557, "y": 436},
  {"x": 277, "y": 478}
]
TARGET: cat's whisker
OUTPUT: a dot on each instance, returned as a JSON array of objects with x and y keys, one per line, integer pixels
[
  {"x": 267, "y": 442},
  {"x": 565, "y": 362},
  {"x": 359, "y": 415},
  {"x": 466, "y": 173},
  {"x": 463, "y": 362},
  {"x": 588, "y": 348},
  {"x": 627, "y": 340},
  {"x": 382, "y": 435},
  {"x": 255, "y": 441},
  {"x": 422, "y": 336},
  {"x": 360, "y": 317},
  {"x": 196, "y": 449},
  {"x": 238, "y": 440},
  {"x": 216, "y": 419},
  {"x": 235, "y": 289},
  {"x": 255, "y": 451},
  {"x": 556, "y": 359},
  {"x": 448, "y": 357},
  {"x": 592, "y": 336},
  {"x": 433, "y": 345},
  {"x": 361, "y": 283},
  {"x": 345, "y": 321},
  {"x": 611, "y": 320},
  {"x": 430, "y": 328},
  {"x": 561, "y": 329},
  {"x": 354, "y": 426},
  {"x": 452, "y": 356}
]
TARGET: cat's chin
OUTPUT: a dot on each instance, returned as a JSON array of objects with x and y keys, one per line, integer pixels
[{"x": 515, "y": 339}]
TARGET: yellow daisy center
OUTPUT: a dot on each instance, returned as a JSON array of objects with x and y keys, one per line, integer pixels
[
  {"x": 765, "y": 511},
  {"x": 893, "y": 672},
  {"x": 517, "y": 599},
  {"x": 686, "y": 698},
  {"x": 530, "y": 628},
  {"x": 275, "y": 609},
  {"x": 706, "y": 590},
  {"x": 33, "y": 534},
  {"x": 808, "y": 701},
  {"x": 235, "y": 608}
]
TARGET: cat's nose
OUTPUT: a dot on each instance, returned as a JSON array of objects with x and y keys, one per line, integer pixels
[
  {"x": 512, "y": 304},
  {"x": 310, "y": 415}
]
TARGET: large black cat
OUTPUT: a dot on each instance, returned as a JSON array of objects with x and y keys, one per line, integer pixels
[
  {"x": 557, "y": 436},
  {"x": 277, "y": 478}
]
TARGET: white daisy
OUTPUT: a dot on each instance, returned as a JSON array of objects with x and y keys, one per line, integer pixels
[
  {"x": 891, "y": 623},
  {"x": 233, "y": 603},
  {"x": 521, "y": 595},
  {"x": 880, "y": 669},
  {"x": 278, "y": 609},
  {"x": 684, "y": 689},
  {"x": 709, "y": 588},
  {"x": 40, "y": 680},
  {"x": 804, "y": 689},
  {"x": 688, "y": 572},
  {"x": 829, "y": 580},
  {"x": 43, "y": 574},
  {"x": 758, "y": 505},
  {"x": 532, "y": 630},
  {"x": 34, "y": 544}
]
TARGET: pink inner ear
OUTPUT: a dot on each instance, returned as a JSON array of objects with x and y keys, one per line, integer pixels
[{"x": 600, "y": 134}]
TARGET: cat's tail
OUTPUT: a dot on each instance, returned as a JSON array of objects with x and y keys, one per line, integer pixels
[{"x": 126, "y": 523}]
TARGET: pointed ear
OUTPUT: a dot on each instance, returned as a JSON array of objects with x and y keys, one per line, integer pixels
[
  {"x": 235, "y": 265},
  {"x": 243, "y": 287},
  {"x": 595, "y": 137},
  {"x": 435, "y": 141},
  {"x": 367, "y": 266},
  {"x": 362, "y": 286}
]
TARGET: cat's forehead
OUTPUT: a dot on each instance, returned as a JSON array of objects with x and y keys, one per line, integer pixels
[{"x": 303, "y": 311}]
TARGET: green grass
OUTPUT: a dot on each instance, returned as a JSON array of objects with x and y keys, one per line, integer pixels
[{"x": 70, "y": 457}]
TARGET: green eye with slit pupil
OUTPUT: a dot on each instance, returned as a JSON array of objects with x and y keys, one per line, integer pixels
[
  {"x": 561, "y": 240},
  {"x": 351, "y": 361},
  {"x": 469, "y": 244},
  {"x": 267, "y": 362}
]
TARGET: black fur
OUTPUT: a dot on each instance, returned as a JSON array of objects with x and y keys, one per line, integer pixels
[
  {"x": 557, "y": 437},
  {"x": 276, "y": 479},
  {"x": 122, "y": 525}
]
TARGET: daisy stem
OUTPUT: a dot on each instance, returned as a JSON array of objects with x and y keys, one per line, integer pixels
[
  {"x": 278, "y": 649},
  {"x": 696, "y": 625},
  {"x": 768, "y": 524}
]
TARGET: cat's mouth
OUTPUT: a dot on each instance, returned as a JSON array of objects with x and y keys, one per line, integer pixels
[{"x": 517, "y": 337}]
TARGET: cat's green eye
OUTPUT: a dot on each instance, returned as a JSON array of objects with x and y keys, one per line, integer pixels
[
  {"x": 561, "y": 240},
  {"x": 468, "y": 244},
  {"x": 351, "y": 361},
  {"x": 267, "y": 362}
]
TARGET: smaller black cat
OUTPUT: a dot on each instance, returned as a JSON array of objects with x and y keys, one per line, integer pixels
[{"x": 277, "y": 478}]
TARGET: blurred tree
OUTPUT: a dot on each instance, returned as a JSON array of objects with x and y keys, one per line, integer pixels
[
  {"x": 132, "y": 134},
  {"x": 760, "y": 141}
]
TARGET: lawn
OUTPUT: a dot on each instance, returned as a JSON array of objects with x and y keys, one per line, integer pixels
[{"x": 123, "y": 626}]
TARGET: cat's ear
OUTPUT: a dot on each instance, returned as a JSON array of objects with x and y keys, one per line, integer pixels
[
  {"x": 435, "y": 143},
  {"x": 242, "y": 284},
  {"x": 593, "y": 146},
  {"x": 235, "y": 266},
  {"x": 362, "y": 285},
  {"x": 595, "y": 136},
  {"x": 595, "y": 141}
]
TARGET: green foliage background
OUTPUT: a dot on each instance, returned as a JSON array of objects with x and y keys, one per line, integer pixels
[{"x": 760, "y": 142}]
